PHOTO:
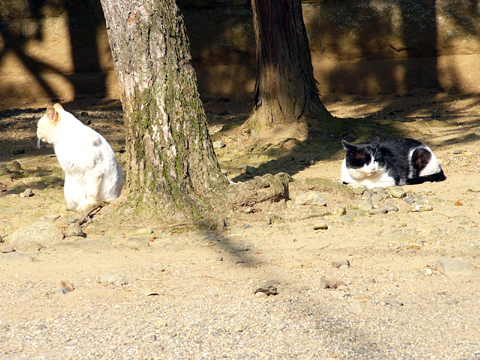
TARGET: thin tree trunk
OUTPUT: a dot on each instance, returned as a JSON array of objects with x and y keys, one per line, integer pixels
[
  {"x": 171, "y": 166},
  {"x": 286, "y": 92}
]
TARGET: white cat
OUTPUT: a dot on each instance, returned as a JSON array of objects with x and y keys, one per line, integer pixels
[{"x": 92, "y": 173}]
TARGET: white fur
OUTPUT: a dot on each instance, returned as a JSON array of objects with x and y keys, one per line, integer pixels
[
  {"x": 369, "y": 176},
  {"x": 433, "y": 166},
  {"x": 92, "y": 173}
]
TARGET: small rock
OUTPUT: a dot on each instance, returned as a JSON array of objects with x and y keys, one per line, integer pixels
[
  {"x": 358, "y": 189},
  {"x": 459, "y": 151},
  {"x": 249, "y": 210},
  {"x": 436, "y": 114},
  {"x": 144, "y": 231},
  {"x": 41, "y": 233},
  {"x": 392, "y": 302},
  {"x": 27, "y": 193},
  {"x": 421, "y": 208},
  {"x": 64, "y": 287},
  {"x": 380, "y": 210},
  {"x": 339, "y": 263},
  {"x": 396, "y": 192},
  {"x": 109, "y": 278},
  {"x": 74, "y": 229},
  {"x": 219, "y": 144},
  {"x": 16, "y": 166},
  {"x": 267, "y": 287},
  {"x": 321, "y": 225},
  {"x": 366, "y": 205},
  {"x": 310, "y": 198},
  {"x": 331, "y": 283},
  {"x": 354, "y": 213},
  {"x": 339, "y": 212},
  {"x": 389, "y": 207},
  {"x": 453, "y": 268}
]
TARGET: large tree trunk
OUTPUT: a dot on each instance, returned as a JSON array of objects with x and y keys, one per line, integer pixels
[
  {"x": 171, "y": 164},
  {"x": 286, "y": 94},
  {"x": 172, "y": 171}
]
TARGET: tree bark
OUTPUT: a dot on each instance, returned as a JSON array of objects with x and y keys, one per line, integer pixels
[
  {"x": 171, "y": 166},
  {"x": 286, "y": 93},
  {"x": 172, "y": 171}
]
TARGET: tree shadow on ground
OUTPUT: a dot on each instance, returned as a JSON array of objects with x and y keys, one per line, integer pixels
[{"x": 408, "y": 116}]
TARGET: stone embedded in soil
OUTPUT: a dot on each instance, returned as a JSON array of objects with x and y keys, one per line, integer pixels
[
  {"x": 110, "y": 279},
  {"x": 310, "y": 198},
  {"x": 64, "y": 287},
  {"x": 421, "y": 208},
  {"x": 357, "y": 189},
  {"x": 73, "y": 229},
  {"x": 396, "y": 192},
  {"x": 332, "y": 283},
  {"x": 342, "y": 263},
  {"x": 380, "y": 210},
  {"x": 267, "y": 287},
  {"x": 219, "y": 144},
  {"x": 40, "y": 234},
  {"x": 366, "y": 205},
  {"x": 27, "y": 193},
  {"x": 451, "y": 267},
  {"x": 320, "y": 225},
  {"x": 144, "y": 231}
]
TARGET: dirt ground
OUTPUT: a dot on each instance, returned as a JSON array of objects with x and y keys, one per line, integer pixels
[{"x": 191, "y": 295}]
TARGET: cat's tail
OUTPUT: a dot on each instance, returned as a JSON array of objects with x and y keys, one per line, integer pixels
[{"x": 440, "y": 176}]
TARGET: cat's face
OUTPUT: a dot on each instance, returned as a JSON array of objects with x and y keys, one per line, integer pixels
[
  {"x": 363, "y": 160},
  {"x": 46, "y": 127}
]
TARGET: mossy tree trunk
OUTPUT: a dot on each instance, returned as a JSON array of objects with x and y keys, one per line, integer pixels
[
  {"x": 171, "y": 167},
  {"x": 286, "y": 92}
]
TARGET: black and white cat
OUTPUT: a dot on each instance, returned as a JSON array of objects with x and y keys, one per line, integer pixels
[{"x": 394, "y": 162}]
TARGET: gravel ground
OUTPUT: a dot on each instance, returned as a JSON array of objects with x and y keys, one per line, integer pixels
[{"x": 161, "y": 295}]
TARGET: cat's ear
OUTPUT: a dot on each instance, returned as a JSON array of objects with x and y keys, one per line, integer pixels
[
  {"x": 52, "y": 114},
  {"x": 346, "y": 145},
  {"x": 58, "y": 106},
  {"x": 376, "y": 141}
]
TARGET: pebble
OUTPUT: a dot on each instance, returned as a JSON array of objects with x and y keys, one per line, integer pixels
[
  {"x": 396, "y": 192},
  {"x": 342, "y": 263},
  {"x": 358, "y": 189},
  {"x": 421, "y": 208},
  {"x": 74, "y": 229},
  {"x": 332, "y": 283},
  {"x": 267, "y": 287},
  {"x": 41, "y": 234},
  {"x": 310, "y": 198},
  {"x": 451, "y": 268},
  {"x": 380, "y": 210},
  {"x": 64, "y": 287},
  {"x": 219, "y": 144},
  {"x": 144, "y": 231},
  {"x": 321, "y": 225},
  {"x": 109, "y": 278},
  {"x": 27, "y": 193},
  {"x": 366, "y": 205}
]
